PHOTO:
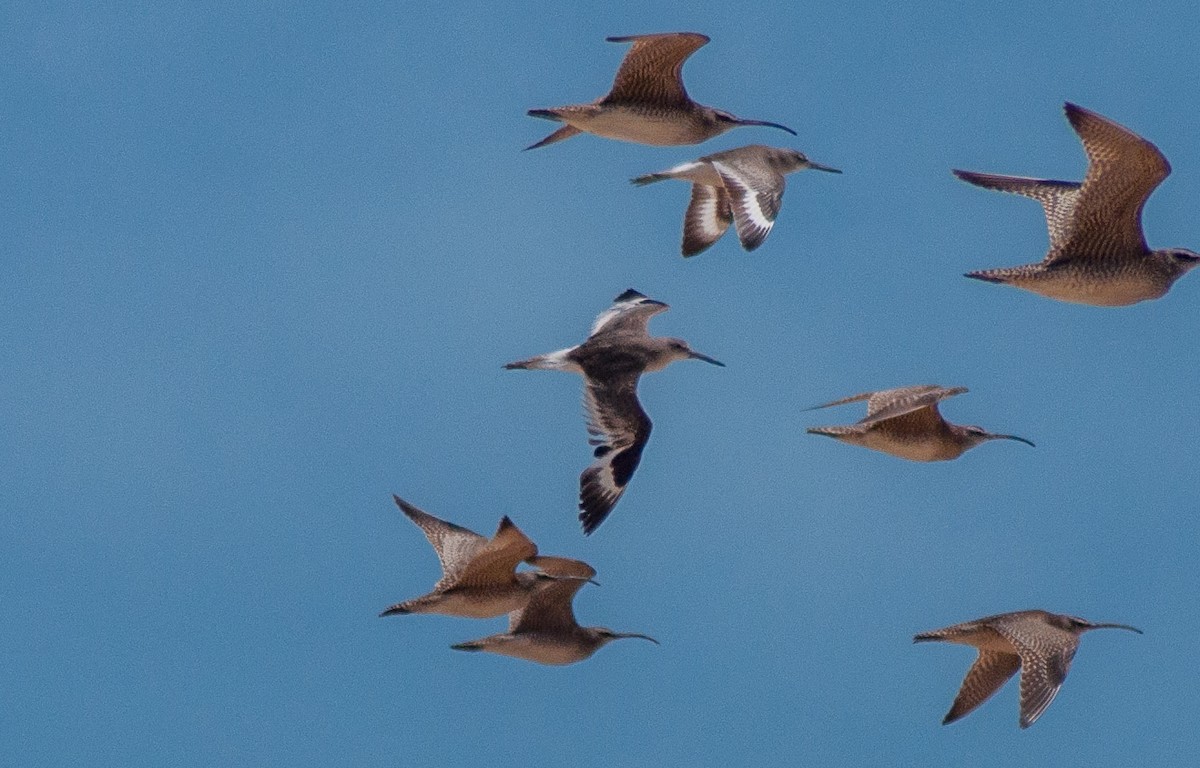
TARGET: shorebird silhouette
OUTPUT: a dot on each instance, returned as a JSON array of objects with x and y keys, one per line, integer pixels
[
  {"x": 648, "y": 103},
  {"x": 1098, "y": 253},
  {"x": 612, "y": 359},
  {"x": 905, "y": 422},
  {"x": 545, "y": 630},
  {"x": 1038, "y": 643},
  {"x": 479, "y": 577},
  {"x": 743, "y": 185}
]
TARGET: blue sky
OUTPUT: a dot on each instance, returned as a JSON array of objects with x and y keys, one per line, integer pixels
[{"x": 263, "y": 264}]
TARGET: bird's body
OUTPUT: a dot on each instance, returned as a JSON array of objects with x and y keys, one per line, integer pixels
[
  {"x": 1038, "y": 643},
  {"x": 744, "y": 186},
  {"x": 545, "y": 630},
  {"x": 1098, "y": 253},
  {"x": 905, "y": 422},
  {"x": 647, "y": 103},
  {"x": 612, "y": 359},
  {"x": 479, "y": 577}
]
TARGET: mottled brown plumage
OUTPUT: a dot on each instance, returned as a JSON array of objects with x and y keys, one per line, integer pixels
[
  {"x": 905, "y": 422},
  {"x": 648, "y": 103},
  {"x": 1098, "y": 253},
  {"x": 545, "y": 630},
  {"x": 479, "y": 578},
  {"x": 1038, "y": 643}
]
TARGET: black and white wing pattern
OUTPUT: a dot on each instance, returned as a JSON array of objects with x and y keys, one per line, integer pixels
[
  {"x": 755, "y": 200},
  {"x": 619, "y": 429},
  {"x": 707, "y": 218},
  {"x": 630, "y": 313}
]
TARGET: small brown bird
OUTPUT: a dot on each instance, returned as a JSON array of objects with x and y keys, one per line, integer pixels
[
  {"x": 743, "y": 185},
  {"x": 1038, "y": 643},
  {"x": 612, "y": 359},
  {"x": 648, "y": 103},
  {"x": 545, "y": 630},
  {"x": 1098, "y": 253},
  {"x": 905, "y": 422},
  {"x": 479, "y": 578}
]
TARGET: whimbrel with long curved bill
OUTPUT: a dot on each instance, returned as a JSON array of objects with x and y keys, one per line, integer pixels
[
  {"x": 479, "y": 577},
  {"x": 612, "y": 359},
  {"x": 905, "y": 422},
  {"x": 1038, "y": 643},
  {"x": 743, "y": 185},
  {"x": 545, "y": 630},
  {"x": 648, "y": 103},
  {"x": 1098, "y": 253}
]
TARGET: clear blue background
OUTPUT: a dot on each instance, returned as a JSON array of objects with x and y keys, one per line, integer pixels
[{"x": 262, "y": 264}]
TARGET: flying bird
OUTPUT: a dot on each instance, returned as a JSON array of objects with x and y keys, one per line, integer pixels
[
  {"x": 743, "y": 185},
  {"x": 1098, "y": 253},
  {"x": 479, "y": 577},
  {"x": 545, "y": 630},
  {"x": 648, "y": 103},
  {"x": 905, "y": 422},
  {"x": 612, "y": 359},
  {"x": 1038, "y": 643}
]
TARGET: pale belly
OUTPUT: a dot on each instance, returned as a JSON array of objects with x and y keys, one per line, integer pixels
[
  {"x": 627, "y": 125},
  {"x": 478, "y": 605},
  {"x": 542, "y": 649},
  {"x": 913, "y": 449},
  {"x": 1116, "y": 288}
]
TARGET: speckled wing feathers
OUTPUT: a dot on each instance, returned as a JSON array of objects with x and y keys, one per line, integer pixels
[
  {"x": 891, "y": 403},
  {"x": 549, "y": 608},
  {"x": 1123, "y": 170},
  {"x": 1046, "y": 653},
  {"x": 652, "y": 70},
  {"x": 455, "y": 545},
  {"x": 496, "y": 560},
  {"x": 1058, "y": 198},
  {"x": 991, "y": 670}
]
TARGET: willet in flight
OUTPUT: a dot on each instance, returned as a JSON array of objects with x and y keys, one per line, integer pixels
[
  {"x": 648, "y": 103},
  {"x": 1038, "y": 643},
  {"x": 743, "y": 185},
  {"x": 905, "y": 422},
  {"x": 479, "y": 578},
  {"x": 545, "y": 630},
  {"x": 1098, "y": 254},
  {"x": 612, "y": 359}
]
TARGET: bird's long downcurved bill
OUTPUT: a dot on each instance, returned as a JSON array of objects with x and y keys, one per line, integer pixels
[
  {"x": 826, "y": 168},
  {"x": 1117, "y": 626},
  {"x": 1013, "y": 437},
  {"x": 705, "y": 358},
  {"x": 624, "y": 635},
  {"x": 766, "y": 123}
]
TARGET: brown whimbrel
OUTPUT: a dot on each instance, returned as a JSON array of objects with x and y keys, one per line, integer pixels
[
  {"x": 479, "y": 578},
  {"x": 743, "y": 185},
  {"x": 545, "y": 630},
  {"x": 647, "y": 103},
  {"x": 1040, "y": 644},
  {"x": 905, "y": 422},
  {"x": 1098, "y": 254},
  {"x": 612, "y": 359}
]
